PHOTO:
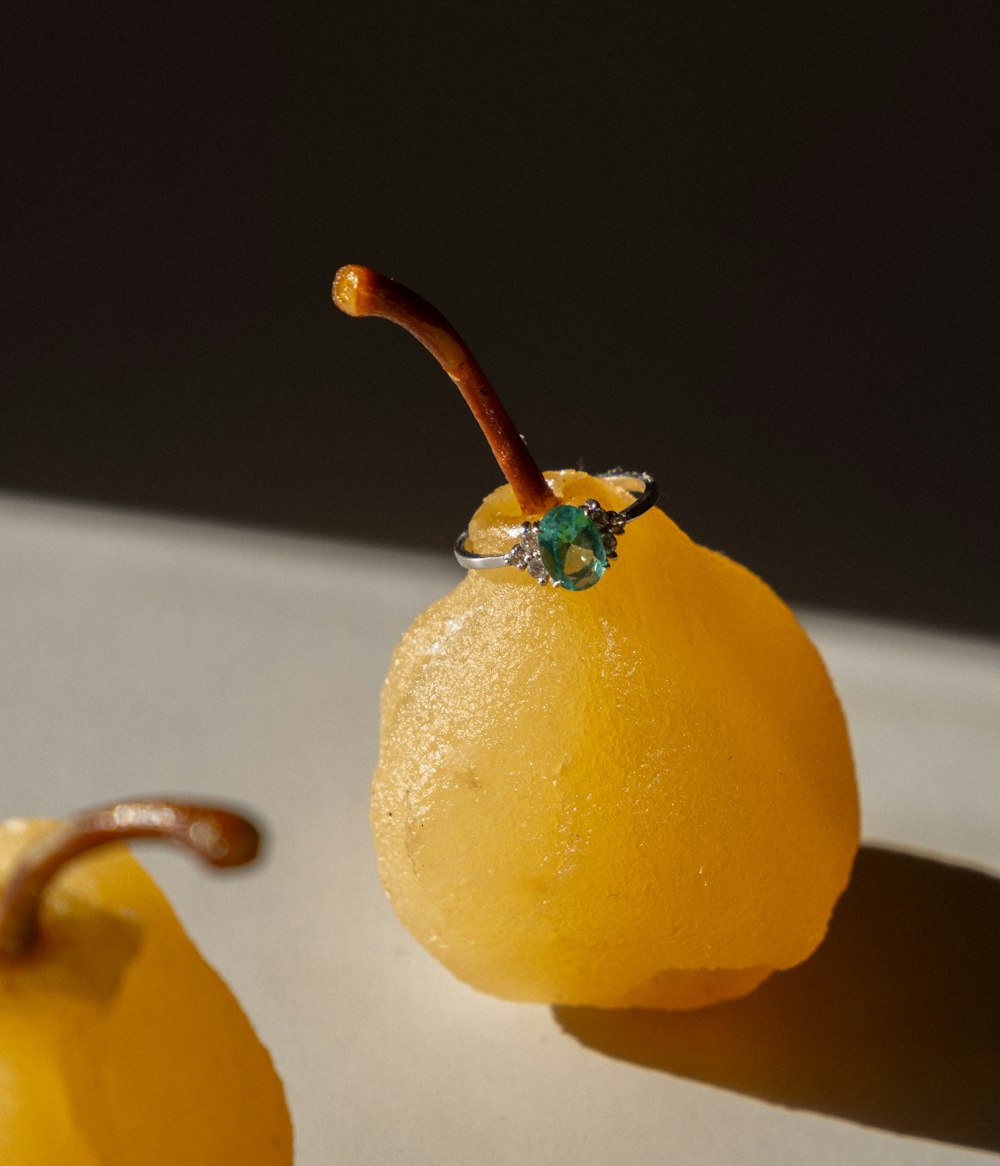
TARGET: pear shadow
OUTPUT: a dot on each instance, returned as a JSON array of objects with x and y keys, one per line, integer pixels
[{"x": 893, "y": 1023}]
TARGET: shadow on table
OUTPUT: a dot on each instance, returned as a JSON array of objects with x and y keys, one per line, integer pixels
[{"x": 894, "y": 1022}]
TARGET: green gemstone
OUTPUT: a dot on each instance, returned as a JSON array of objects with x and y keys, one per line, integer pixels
[{"x": 571, "y": 548}]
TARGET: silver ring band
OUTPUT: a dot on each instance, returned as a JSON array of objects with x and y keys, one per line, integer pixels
[{"x": 589, "y": 537}]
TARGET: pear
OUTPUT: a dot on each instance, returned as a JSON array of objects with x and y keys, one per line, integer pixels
[
  {"x": 640, "y": 794},
  {"x": 118, "y": 1043}
]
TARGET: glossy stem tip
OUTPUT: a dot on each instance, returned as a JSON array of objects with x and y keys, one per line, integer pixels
[
  {"x": 359, "y": 291},
  {"x": 221, "y": 838}
]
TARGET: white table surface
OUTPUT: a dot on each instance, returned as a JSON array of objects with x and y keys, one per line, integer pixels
[{"x": 148, "y": 655}]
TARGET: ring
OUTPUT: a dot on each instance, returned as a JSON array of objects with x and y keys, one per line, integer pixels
[{"x": 569, "y": 546}]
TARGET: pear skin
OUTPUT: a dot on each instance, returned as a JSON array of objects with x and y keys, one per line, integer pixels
[{"x": 639, "y": 795}]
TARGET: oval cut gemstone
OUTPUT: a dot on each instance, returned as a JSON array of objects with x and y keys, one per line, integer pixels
[{"x": 571, "y": 548}]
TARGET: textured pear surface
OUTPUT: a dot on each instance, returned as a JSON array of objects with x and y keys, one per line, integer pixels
[
  {"x": 119, "y": 1045},
  {"x": 640, "y": 795}
]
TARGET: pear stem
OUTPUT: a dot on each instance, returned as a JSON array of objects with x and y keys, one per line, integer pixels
[
  {"x": 359, "y": 291},
  {"x": 219, "y": 837}
]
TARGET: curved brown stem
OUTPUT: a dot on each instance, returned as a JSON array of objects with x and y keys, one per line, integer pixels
[
  {"x": 359, "y": 291},
  {"x": 219, "y": 837}
]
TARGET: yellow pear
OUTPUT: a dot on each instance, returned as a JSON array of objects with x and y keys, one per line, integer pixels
[
  {"x": 640, "y": 794},
  {"x": 119, "y": 1045}
]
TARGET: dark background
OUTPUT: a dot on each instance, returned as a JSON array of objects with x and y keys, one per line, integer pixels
[{"x": 751, "y": 248}]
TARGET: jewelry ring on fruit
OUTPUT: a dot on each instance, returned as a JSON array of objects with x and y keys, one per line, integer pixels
[
  {"x": 654, "y": 805},
  {"x": 569, "y": 546}
]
